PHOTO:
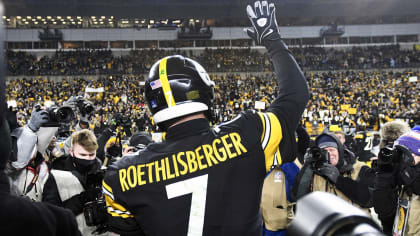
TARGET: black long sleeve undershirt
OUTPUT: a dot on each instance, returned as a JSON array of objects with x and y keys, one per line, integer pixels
[
  {"x": 293, "y": 94},
  {"x": 358, "y": 191}
]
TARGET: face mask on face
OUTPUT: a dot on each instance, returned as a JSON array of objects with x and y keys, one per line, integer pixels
[{"x": 83, "y": 165}]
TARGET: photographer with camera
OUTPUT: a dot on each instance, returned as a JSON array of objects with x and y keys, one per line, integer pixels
[
  {"x": 397, "y": 186},
  {"x": 109, "y": 141},
  {"x": 329, "y": 167},
  {"x": 85, "y": 111},
  {"x": 75, "y": 180},
  {"x": 18, "y": 215},
  {"x": 28, "y": 171}
]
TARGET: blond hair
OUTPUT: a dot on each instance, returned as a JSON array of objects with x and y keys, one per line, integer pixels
[{"x": 86, "y": 139}]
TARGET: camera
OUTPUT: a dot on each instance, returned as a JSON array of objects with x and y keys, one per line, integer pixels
[
  {"x": 319, "y": 156},
  {"x": 123, "y": 121},
  {"x": 95, "y": 212},
  {"x": 389, "y": 156},
  {"x": 58, "y": 115},
  {"x": 84, "y": 106},
  {"x": 334, "y": 217}
]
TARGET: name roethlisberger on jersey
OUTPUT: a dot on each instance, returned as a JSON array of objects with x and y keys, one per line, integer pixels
[{"x": 218, "y": 151}]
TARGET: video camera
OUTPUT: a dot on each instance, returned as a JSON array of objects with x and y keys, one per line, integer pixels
[
  {"x": 389, "y": 156},
  {"x": 58, "y": 115}
]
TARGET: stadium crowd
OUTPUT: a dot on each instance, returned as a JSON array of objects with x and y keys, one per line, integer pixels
[
  {"x": 359, "y": 100},
  {"x": 103, "y": 62}
]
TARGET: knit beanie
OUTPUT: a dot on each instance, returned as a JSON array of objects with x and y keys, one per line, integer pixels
[
  {"x": 327, "y": 141},
  {"x": 410, "y": 140}
]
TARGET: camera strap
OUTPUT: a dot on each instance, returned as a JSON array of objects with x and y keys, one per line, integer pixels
[{"x": 401, "y": 218}]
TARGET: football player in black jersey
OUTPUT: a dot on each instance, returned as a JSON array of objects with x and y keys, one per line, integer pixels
[{"x": 204, "y": 180}]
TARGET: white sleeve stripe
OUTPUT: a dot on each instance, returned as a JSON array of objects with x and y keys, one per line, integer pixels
[
  {"x": 118, "y": 211},
  {"x": 104, "y": 191},
  {"x": 275, "y": 159},
  {"x": 267, "y": 131}
]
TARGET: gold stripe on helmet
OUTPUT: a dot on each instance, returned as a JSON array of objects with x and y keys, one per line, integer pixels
[{"x": 163, "y": 77}]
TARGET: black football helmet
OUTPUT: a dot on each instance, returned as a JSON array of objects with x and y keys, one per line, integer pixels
[{"x": 178, "y": 86}]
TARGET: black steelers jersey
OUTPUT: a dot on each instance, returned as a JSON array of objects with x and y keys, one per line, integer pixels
[
  {"x": 200, "y": 180},
  {"x": 366, "y": 141}
]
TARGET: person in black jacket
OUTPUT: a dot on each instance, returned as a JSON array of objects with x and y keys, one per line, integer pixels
[
  {"x": 204, "y": 180},
  {"x": 75, "y": 179},
  {"x": 330, "y": 167},
  {"x": 18, "y": 215}
]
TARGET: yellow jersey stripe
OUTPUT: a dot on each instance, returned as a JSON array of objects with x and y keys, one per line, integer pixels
[
  {"x": 271, "y": 149},
  {"x": 116, "y": 209},
  {"x": 163, "y": 77},
  {"x": 106, "y": 186}
]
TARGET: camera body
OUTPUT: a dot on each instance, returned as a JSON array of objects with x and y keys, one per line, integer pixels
[
  {"x": 319, "y": 156},
  {"x": 95, "y": 212},
  {"x": 394, "y": 156},
  {"x": 84, "y": 106},
  {"x": 123, "y": 121},
  {"x": 58, "y": 115}
]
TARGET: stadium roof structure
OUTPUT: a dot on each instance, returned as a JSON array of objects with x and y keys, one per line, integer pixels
[{"x": 209, "y": 8}]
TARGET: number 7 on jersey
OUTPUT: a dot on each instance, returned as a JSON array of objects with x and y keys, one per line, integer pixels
[{"x": 198, "y": 187}]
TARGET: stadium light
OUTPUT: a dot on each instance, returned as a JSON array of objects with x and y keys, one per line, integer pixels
[
  {"x": 69, "y": 17},
  {"x": 58, "y": 17},
  {"x": 29, "y": 17},
  {"x": 48, "y": 17},
  {"x": 39, "y": 17},
  {"x": 18, "y": 17},
  {"x": 102, "y": 17},
  {"x": 79, "y": 17}
]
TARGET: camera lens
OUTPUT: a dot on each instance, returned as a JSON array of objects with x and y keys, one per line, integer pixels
[
  {"x": 88, "y": 108},
  {"x": 64, "y": 114},
  {"x": 385, "y": 155}
]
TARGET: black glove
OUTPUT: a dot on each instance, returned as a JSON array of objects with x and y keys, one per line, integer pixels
[
  {"x": 329, "y": 171},
  {"x": 263, "y": 19},
  {"x": 408, "y": 173},
  {"x": 38, "y": 117}
]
